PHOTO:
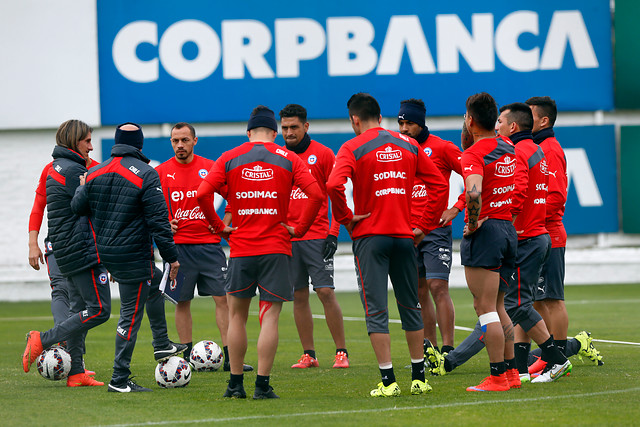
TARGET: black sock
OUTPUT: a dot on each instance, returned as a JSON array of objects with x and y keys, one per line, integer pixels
[
  {"x": 236, "y": 380},
  {"x": 447, "y": 348},
  {"x": 388, "y": 377},
  {"x": 311, "y": 353},
  {"x": 225, "y": 349},
  {"x": 573, "y": 347},
  {"x": 447, "y": 365},
  {"x": 510, "y": 363},
  {"x": 187, "y": 352},
  {"x": 344, "y": 350},
  {"x": 521, "y": 350},
  {"x": 262, "y": 382},
  {"x": 417, "y": 371},
  {"x": 562, "y": 346},
  {"x": 498, "y": 368},
  {"x": 550, "y": 352}
]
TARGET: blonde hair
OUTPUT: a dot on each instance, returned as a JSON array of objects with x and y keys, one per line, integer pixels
[{"x": 72, "y": 131}]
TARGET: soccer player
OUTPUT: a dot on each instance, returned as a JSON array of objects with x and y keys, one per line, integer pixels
[
  {"x": 312, "y": 255},
  {"x": 59, "y": 284},
  {"x": 550, "y": 291},
  {"x": 259, "y": 176},
  {"x": 434, "y": 252},
  {"x": 77, "y": 259},
  {"x": 202, "y": 260},
  {"x": 489, "y": 238},
  {"x": 528, "y": 212},
  {"x": 383, "y": 165},
  {"x": 124, "y": 201}
]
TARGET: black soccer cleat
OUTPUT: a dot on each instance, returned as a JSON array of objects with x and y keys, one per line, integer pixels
[
  {"x": 227, "y": 367},
  {"x": 265, "y": 394},
  {"x": 172, "y": 349},
  {"x": 128, "y": 386},
  {"x": 235, "y": 392}
]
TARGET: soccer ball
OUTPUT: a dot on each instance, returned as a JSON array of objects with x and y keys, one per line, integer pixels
[
  {"x": 173, "y": 372},
  {"x": 54, "y": 363},
  {"x": 206, "y": 356}
]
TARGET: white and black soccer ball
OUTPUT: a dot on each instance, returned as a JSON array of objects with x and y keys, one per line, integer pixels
[
  {"x": 173, "y": 372},
  {"x": 54, "y": 363},
  {"x": 206, "y": 356}
]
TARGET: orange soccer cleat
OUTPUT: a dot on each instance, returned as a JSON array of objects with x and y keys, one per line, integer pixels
[
  {"x": 342, "y": 361},
  {"x": 537, "y": 367},
  {"x": 82, "y": 380},
  {"x": 306, "y": 361},
  {"x": 492, "y": 383},
  {"x": 32, "y": 350},
  {"x": 513, "y": 377}
]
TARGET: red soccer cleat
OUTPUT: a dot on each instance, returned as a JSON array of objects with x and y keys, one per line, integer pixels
[
  {"x": 306, "y": 361},
  {"x": 492, "y": 383},
  {"x": 537, "y": 367},
  {"x": 82, "y": 380},
  {"x": 32, "y": 350},
  {"x": 342, "y": 361},
  {"x": 90, "y": 373},
  {"x": 513, "y": 377}
]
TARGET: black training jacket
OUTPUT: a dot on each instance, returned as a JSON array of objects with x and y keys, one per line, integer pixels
[
  {"x": 69, "y": 234},
  {"x": 125, "y": 204}
]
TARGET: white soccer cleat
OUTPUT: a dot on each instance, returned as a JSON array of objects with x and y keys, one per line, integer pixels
[{"x": 552, "y": 373}]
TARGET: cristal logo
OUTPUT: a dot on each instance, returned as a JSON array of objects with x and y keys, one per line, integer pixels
[
  {"x": 543, "y": 167},
  {"x": 298, "y": 194},
  {"x": 419, "y": 191},
  {"x": 257, "y": 173},
  {"x": 506, "y": 167},
  {"x": 389, "y": 155}
]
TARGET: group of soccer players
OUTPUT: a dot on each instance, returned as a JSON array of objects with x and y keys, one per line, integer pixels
[{"x": 280, "y": 237}]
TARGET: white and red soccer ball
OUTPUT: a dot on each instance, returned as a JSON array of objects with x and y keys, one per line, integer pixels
[
  {"x": 173, "y": 372},
  {"x": 206, "y": 356},
  {"x": 54, "y": 363}
]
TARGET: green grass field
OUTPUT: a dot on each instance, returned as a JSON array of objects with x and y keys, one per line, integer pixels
[{"x": 609, "y": 394}]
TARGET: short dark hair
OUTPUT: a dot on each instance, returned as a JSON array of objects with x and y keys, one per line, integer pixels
[
  {"x": 414, "y": 101},
  {"x": 546, "y": 105},
  {"x": 520, "y": 113},
  {"x": 363, "y": 106},
  {"x": 181, "y": 125},
  {"x": 483, "y": 109},
  {"x": 294, "y": 110}
]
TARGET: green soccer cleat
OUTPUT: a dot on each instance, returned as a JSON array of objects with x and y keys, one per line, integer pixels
[
  {"x": 587, "y": 349},
  {"x": 391, "y": 391},
  {"x": 420, "y": 387},
  {"x": 435, "y": 360}
]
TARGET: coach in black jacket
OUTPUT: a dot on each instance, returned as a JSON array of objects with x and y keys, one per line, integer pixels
[{"x": 124, "y": 201}]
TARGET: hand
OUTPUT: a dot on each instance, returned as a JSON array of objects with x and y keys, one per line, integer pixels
[
  {"x": 467, "y": 231},
  {"x": 35, "y": 257},
  {"x": 418, "y": 235},
  {"x": 175, "y": 266},
  {"x": 356, "y": 219},
  {"x": 449, "y": 215},
  {"x": 290, "y": 229},
  {"x": 83, "y": 178},
  {"x": 226, "y": 232},
  {"x": 174, "y": 226},
  {"x": 330, "y": 247}
]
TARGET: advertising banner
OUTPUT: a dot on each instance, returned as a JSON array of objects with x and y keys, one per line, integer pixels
[{"x": 210, "y": 61}]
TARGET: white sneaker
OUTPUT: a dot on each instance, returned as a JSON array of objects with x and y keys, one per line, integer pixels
[
  {"x": 553, "y": 373},
  {"x": 525, "y": 378}
]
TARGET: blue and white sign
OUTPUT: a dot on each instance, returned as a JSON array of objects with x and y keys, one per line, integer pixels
[
  {"x": 592, "y": 203},
  {"x": 214, "y": 61}
]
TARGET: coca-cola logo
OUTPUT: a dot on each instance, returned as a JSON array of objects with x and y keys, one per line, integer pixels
[
  {"x": 257, "y": 173},
  {"x": 506, "y": 167},
  {"x": 544, "y": 168},
  {"x": 389, "y": 155},
  {"x": 298, "y": 194},
  {"x": 419, "y": 191},
  {"x": 183, "y": 214}
]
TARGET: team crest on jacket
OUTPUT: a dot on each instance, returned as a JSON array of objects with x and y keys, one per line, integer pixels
[
  {"x": 257, "y": 173},
  {"x": 389, "y": 155},
  {"x": 203, "y": 173},
  {"x": 312, "y": 159},
  {"x": 49, "y": 246},
  {"x": 428, "y": 151},
  {"x": 506, "y": 167},
  {"x": 103, "y": 278}
]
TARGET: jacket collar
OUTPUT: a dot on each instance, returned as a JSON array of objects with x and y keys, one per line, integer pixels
[
  {"x": 123, "y": 150},
  {"x": 60, "y": 152}
]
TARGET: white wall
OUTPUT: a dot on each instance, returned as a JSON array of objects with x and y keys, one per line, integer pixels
[{"x": 49, "y": 69}]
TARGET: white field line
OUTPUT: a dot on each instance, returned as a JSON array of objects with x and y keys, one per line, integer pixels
[{"x": 378, "y": 410}]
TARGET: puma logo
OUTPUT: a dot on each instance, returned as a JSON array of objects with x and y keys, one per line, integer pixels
[{"x": 173, "y": 175}]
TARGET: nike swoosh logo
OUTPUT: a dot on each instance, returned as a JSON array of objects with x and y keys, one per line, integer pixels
[
  {"x": 127, "y": 389},
  {"x": 171, "y": 350}
]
